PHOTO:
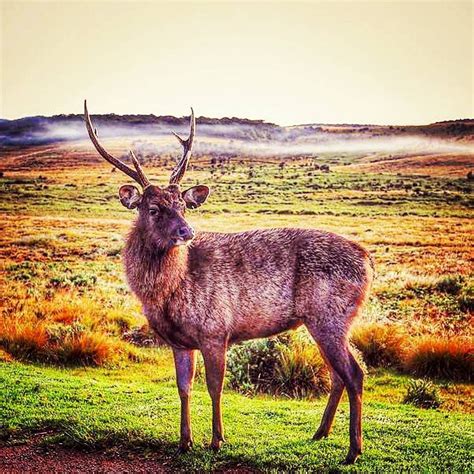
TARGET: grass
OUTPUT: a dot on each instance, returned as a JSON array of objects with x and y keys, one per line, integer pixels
[
  {"x": 381, "y": 345},
  {"x": 423, "y": 394},
  {"x": 63, "y": 297},
  {"x": 288, "y": 365},
  {"x": 450, "y": 359},
  {"x": 137, "y": 407}
]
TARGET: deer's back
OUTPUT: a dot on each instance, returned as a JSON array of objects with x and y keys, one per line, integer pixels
[
  {"x": 282, "y": 254},
  {"x": 258, "y": 283}
]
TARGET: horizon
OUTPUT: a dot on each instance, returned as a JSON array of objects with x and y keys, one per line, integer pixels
[
  {"x": 228, "y": 117},
  {"x": 292, "y": 64}
]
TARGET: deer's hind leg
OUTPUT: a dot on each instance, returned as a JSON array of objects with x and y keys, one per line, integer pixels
[
  {"x": 337, "y": 387},
  {"x": 332, "y": 341}
]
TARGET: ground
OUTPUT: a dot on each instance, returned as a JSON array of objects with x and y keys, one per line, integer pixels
[
  {"x": 135, "y": 410},
  {"x": 62, "y": 231}
]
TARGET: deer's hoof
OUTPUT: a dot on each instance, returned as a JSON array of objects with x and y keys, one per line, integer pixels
[
  {"x": 351, "y": 457},
  {"x": 185, "y": 446},
  {"x": 320, "y": 434},
  {"x": 216, "y": 444}
]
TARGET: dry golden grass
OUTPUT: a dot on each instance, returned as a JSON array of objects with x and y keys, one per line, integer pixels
[
  {"x": 450, "y": 359},
  {"x": 62, "y": 233},
  {"x": 381, "y": 345}
]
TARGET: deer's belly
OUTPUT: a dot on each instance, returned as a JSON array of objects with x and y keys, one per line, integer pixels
[{"x": 262, "y": 327}]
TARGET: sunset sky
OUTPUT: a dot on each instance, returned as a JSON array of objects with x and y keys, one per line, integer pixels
[{"x": 332, "y": 62}]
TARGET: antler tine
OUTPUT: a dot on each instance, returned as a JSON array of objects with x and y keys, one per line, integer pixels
[
  {"x": 143, "y": 179},
  {"x": 181, "y": 166},
  {"x": 138, "y": 175}
]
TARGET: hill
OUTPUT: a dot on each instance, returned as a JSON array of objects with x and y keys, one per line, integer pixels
[{"x": 40, "y": 130}]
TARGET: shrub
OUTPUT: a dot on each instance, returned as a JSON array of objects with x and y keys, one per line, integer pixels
[
  {"x": 450, "y": 359},
  {"x": 422, "y": 394},
  {"x": 466, "y": 303},
  {"x": 251, "y": 365},
  {"x": 452, "y": 285},
  {"x": 285, "y": 365},
  {"x": 301, "y": 372},
  {"x": 381, "y": 345},
  {"x": 87, "y": 349},
  {"x": 58, "y": 343},
  {"x": 25, "y": 341}
]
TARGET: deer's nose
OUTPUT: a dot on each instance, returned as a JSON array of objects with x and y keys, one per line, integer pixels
[{"x": 185, "y": 233}]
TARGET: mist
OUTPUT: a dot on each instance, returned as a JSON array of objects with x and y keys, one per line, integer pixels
[{"x": 235, "y": 139}]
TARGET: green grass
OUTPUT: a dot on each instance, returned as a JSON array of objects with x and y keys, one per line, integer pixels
[
  {"x": 137, "y": 408},
  {"x": 298, "y": 189}
]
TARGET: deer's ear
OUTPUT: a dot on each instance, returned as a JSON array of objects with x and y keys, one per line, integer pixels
[
  {"x": 130, "y": 196},
  {"x": 195, "y": 196}
]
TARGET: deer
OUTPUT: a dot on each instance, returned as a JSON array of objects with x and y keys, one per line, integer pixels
[{"x": 204, "y": 291}]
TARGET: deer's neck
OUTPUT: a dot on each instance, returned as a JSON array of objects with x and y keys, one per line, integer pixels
[{"x": 153, "y": 275}]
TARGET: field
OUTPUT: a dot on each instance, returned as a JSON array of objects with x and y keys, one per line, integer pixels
[{"x": 62, "y": 231}]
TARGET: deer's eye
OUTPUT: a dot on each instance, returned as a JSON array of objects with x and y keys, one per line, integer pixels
[{"x": 153, "y": 211}]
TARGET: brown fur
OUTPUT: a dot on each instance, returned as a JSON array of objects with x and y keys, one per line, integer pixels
[{"x": 226, "y": 288}]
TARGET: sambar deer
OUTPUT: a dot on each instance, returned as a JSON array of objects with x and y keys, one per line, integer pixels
[{"x": 207, "y": 290}]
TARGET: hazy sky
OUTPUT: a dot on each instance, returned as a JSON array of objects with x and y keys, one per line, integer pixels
[{"x": 334, "y": 62}]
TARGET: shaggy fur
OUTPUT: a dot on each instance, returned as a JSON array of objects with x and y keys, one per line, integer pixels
[{"x": 226, "y": 288}]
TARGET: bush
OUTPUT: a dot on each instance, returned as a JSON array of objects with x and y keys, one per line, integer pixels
[
  {"x": 301, "y": 371},
  {"x": 57, "y": 343},
  {"x": 449, "y": 359},
  {"x": 25, "y": 341},
  {"x": 285, "y": 365},
  {"x": 466, "y": 303},
  {"x": 381, "y": 345},
  {"x": 251, "y": 365},
  {"x": 452, "y": 285},
  {"x": 87, "y": 349},
  {"x": 422, "y": 394}
]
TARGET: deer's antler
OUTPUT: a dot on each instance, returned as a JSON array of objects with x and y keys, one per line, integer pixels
[
  {"x": 138, "y": 175},
  {"x": 181, "y": 166}
]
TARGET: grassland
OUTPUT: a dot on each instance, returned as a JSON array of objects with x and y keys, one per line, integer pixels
[
  {"x": 136, "y": 408},
  {"x": 61, "y": 235}
]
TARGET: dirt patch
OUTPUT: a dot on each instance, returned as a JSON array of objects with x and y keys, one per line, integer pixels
[{"x": 29, "y": 458}]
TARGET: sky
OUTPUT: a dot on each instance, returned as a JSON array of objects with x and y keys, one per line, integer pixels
[{"x": 285, "y": 62}]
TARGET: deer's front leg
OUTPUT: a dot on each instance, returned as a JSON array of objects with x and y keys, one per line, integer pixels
[
  {"x": 215, "y": 362},
  {"x": 185, "y": 363}
]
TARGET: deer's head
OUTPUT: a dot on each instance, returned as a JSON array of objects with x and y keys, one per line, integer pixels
[{"x": 161, "y": 210}]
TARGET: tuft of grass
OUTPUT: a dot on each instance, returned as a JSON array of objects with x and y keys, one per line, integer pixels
[
  {"x": 87, "y": 349},
  {"x": 62, "y": 344},
  {"x": 466, "y": 303},
  {"x": 5, "y": 356},
  {"x": 287, "y": 365},
  {"x": 422, "y": 394},
  {"x": 25, "y": 340},
  {"x": 77, "y": 280},
  {"x": 449, "y": 359},
  {"x": 381, "y": 345},
  {"x": 301, "y": 371}
]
